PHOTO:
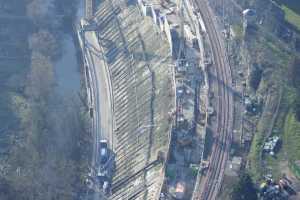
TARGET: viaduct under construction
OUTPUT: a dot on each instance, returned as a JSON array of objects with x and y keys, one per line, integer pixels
[
  {"x": 128, "y": 69},
  {"x": 138, "y": 95}
]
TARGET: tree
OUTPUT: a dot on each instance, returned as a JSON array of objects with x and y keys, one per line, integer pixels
[
  {"x": 45, "y": 43},
  {"x": 68, "y": 10},
  {"x": 294, "y": 73},
  {"x": 297, "y": 107},
  {"x": 6, "y": 191},
  {"x": 41, "y": 77},
  {"x": 48, "y": 158},
  {"x": 42, "y": 13},
  {"x": 255, "y": 77},
  {"x": 244, "y": 189}
]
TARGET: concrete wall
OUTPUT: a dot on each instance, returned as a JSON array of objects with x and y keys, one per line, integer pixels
[
  {"x": 167, "y": 30},
  {"x": 143, "y": 7}
]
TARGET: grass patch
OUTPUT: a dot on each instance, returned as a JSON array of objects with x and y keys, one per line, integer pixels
[
  {"x": 279, "y": 55},
  {"x": 272, "y": 163},
  {"x": 292, "y": 17},
  {"x": 291, "y": 4},
  {"x": 21, "y": 107},
  {"x": 295, "y": 169},
  {"x": 238, "y": 30},
  {"x": 292, "y": 141},
  {"x": 291, "y": 9},
  {"x": 255, "y": 156},
  {"x": 292, "y": 137}
]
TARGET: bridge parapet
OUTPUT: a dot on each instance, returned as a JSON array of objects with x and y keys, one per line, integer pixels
[{"x": 89, "y": 9}]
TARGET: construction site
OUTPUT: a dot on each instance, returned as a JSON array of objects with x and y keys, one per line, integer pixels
[
  {"x": 150, "y": 100},
  {"x": 147, "y": 66}
]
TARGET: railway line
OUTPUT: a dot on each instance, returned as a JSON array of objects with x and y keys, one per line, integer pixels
[{"x": 211, "y": 183}]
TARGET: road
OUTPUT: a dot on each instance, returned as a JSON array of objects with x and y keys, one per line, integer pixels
[
  {"x": 211, "y": 183},
  {"x": 101, "y": 95}
]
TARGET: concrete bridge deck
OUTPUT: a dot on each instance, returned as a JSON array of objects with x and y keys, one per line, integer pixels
[{"x": 138, "y": 61}]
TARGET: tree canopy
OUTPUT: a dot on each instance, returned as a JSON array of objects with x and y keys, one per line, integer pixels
[{"x": 244, "y": 189}]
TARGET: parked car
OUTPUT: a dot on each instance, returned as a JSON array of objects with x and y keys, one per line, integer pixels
[{"x": 103, "y": 152}]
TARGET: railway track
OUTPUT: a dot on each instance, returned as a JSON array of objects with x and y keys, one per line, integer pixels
[{"x": 223, "y": 136}]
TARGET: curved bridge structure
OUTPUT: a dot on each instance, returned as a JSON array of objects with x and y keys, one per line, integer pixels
[{"x": 129, "y": 67}]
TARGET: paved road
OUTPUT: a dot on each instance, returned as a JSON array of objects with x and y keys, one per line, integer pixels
[
  {"x": 211, "y": 183},
  {"x": 102, "y": 123},
  {"x": 100, "y": 76}
]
